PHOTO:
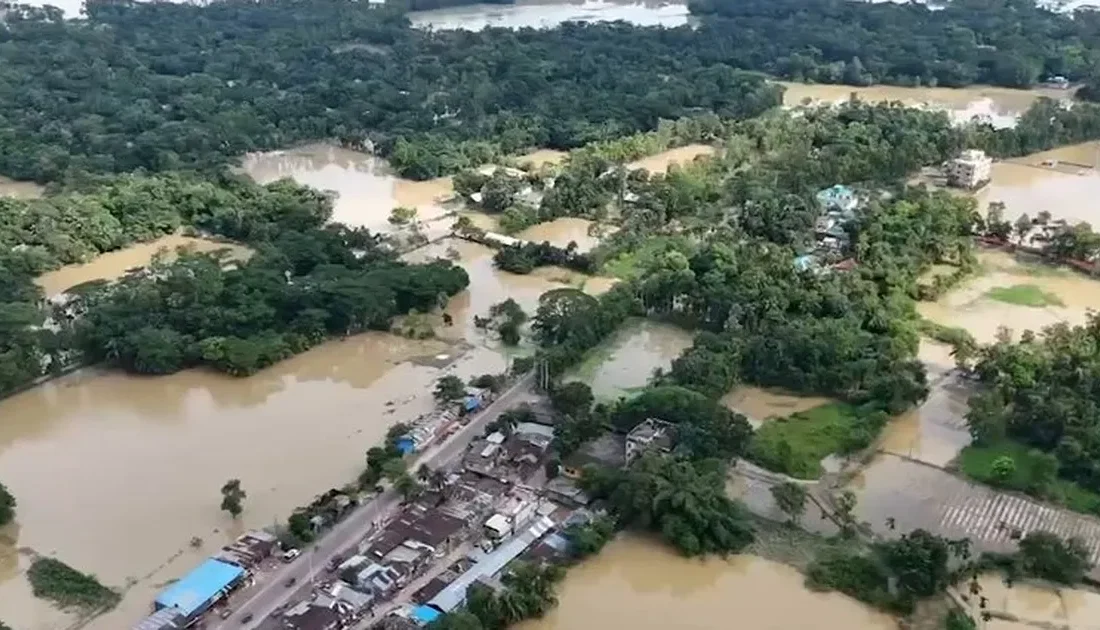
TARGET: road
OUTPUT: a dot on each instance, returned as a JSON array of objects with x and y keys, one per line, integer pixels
[{"x": 346, "y": 535}]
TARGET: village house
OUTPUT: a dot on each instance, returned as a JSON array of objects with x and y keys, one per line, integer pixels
[
  {"x": 650, "y": 435},
  {"x": 972, "y": 169}
]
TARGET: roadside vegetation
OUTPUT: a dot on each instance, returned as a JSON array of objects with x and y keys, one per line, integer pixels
[{"x": 68, "y": 588}]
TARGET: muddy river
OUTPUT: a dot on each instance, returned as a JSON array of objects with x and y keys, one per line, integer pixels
[
  {"x": 542, "y": 14},
  {"x": 626, "y": 361},
  {"x": 1000, "y": 105},
  {"x": 115, "y": 264},
  {"x": 639, "y": 584}
]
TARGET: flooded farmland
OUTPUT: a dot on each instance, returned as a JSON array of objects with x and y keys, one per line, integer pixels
[
  {"x": 627, "y": 360},
  {"x": 19, "y": 190},
  {"x": 366, "y": 189},
  {"x": 1062, "y": 181},
  {"x": 638, "y": 583},
  {"x": 113, "y": 265},
  {"x": 976, "y": 306},
  {"x": 542, "y": 14},
  {"x": 1001, "y": 106}
]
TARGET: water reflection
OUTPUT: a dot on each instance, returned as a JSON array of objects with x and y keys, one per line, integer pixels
[{"x": 534, "y": 14}]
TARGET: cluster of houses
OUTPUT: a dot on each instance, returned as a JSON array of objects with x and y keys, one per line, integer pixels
[{"x": 437, "y": 426}]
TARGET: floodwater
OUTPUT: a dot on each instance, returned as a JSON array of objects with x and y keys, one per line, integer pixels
[
  {"x": 19, "y": 190},
  {"x": 1000, "y": 105},
  {"x": 638, "y": 583},
  {"x": 366, "y": 189},
  {"x": 1038, "y": 605},
  {"x": 935, "y": 431},
  {"x": 113, "y": 265},
  {"x": 628, "y": 359},
  {"x": 660, "y": 162},
  {"x": 134, "y": 464},
  {"x": 489, "y": 286},
  {"x": 541, "y": 157},
  {"x": 1067, "y": 186},
  {"x": 968, "y": 305},
  {"x": 561, "y": 232},
  {"x": 542, "y": 14},
  {"x": 759, "y": 405}
]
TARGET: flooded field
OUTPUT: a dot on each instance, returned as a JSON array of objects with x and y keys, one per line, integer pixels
[
  {"x": 758, "y": 404},
  {"x": 366, "y": 189},
  {"x": 542, "y": 14},
  {"x": 1000, "y": 105},
  {"x": 1042, "y": 605},
  {"x": 660, "y": 162},
  {"x": 541, "y": 157},
  {"x": 561, "y": 231},
  {"x": 976, "y": 306},
  {"x": 935, "y": 431},
  {"x": 124, "y": 453},
  {"x": 113, "y": 265},
  {"x": 627, "y": 360},
  {"x": 639, "y": 584},
  {"x": 19, "y": 190},
  {"x": 1067, "y": 186}
]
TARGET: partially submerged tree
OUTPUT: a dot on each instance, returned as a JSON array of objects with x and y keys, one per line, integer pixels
[
  {"x": 232, "y": 496},
  {"x": 790, "y": 497}
]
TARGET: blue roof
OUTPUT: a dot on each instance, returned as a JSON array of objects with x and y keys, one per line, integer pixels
[
  {"x": 195, "y": 590},
  {"x": 425, "y": 615}
]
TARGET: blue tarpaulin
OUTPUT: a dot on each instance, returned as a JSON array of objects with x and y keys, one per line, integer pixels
[{"x": 424, "y": 615}]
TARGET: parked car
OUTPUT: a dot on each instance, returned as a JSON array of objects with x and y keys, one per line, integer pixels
[
  {"x": 291, "y": 554},
  {"x": 247, "y": 617},
  {"x": 290, "y": 581}
]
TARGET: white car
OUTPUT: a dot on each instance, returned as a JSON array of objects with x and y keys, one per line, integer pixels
[{"x": 290, "y": 554}]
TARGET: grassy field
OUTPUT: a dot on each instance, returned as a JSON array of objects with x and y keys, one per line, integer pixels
[
  {"x": 795, "y": 445},
  {"x": 976, "y": 462},
  {"x": 1024, "y": 295}
]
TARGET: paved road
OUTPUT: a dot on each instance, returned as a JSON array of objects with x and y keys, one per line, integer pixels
[{"x": 347, "y": 534}]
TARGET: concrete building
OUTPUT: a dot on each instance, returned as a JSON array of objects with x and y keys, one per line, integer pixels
[
  {"x": 196, "y": 592},
  {"x": 651, "y": 434},
  {"x": 972, "y": 169}
]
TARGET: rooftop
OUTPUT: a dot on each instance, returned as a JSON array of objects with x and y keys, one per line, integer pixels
[
  {"x": 607, "y": 450},
  {"x": 163, "y": 619},
  {"x": 191, "y": 592}
]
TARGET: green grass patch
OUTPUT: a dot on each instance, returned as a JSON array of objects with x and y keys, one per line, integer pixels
[
  {"x": 1024, "y": 295},
  {"x": 795, "y": 445},
  {"x": 951, "y": 335},
  {"x": 1031, "y": 473},
  {"x": 68, "y": 588}
]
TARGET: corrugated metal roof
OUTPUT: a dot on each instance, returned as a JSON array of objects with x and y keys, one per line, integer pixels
[
  {"x": 163, "y": 619},
  {"x": 455, "y": 594},
  {"x": 198, "y": 587}
]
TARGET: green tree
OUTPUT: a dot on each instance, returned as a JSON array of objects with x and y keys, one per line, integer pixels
[
  {"x": 1045, "y": 555},
  {"x": 572, "y": 399},
  {"x": 232, "y": 497},
  {"x": 7, "y": 506},
  {"x": 791, "y": 499},
  {"x": 402, "y": 215},
  {"x": 407, "y": 486},
  {"x": 449, "y": 389},
  {"x": 1004, "y": 468}
]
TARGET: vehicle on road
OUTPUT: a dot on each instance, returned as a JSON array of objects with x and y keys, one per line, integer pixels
[
  {"x": 290, "y": 581},
  {"x": 247, "y": 617},
  {"x": 291, "y": 554}
]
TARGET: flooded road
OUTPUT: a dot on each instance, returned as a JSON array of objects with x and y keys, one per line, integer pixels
[
  {"x": 560, "y": 232},
  {"x": 366, "y": 189},
  {"x": 972, "y": 306},
  {"x": 542, "y": 14},
  {"x": 639, "y": 584},
  {"x": 759, "y": 405},
  {"x": 1001, "y": 106},
  {"x": 626, "y": 361},
  {"x": 660, "y": 162},
  {"x": 113, "y": 265}
]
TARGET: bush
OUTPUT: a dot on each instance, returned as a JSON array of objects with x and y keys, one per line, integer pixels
[{"x": 58, "y": 582}]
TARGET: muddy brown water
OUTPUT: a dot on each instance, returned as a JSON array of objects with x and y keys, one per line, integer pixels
[
  {"x": 1000, "y": 105},
  {"x": 759, "y": 405},
  {"x": 627, "y": 360},
  {"x": 1066, "y": 186},
  {"x": 660, "y": 162},
  {"x": 366, "y": 188},
  {"x": 19, "y": 190},
  {"x": 543, "y": 14},
  {"x": 640, "y": 584},
  {"x": 561, "y": 232},
  {"x": 113, "y": 265}
]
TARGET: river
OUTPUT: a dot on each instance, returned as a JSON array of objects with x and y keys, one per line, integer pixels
[
  {"x": 639, "y": 584},
  {"x": 542, "y": 14},
  {"x": 1000, "y": 105}
]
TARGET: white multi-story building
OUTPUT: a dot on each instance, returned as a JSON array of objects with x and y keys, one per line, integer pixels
[{"x": 970, "y": 170}]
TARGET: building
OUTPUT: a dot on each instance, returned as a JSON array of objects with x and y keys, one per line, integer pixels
[
  {"x": 838, "y": 199},
  {"x": 307, "y": 616},
  {"x": 454, "y": 595},
  {"x": 196, "y": 592},
  {"x": 163, "y": 619},
  {"x": 972, "y": 169},
  {"x": 651, "y": 434},
  {"x": 608, "y": 450},
  {"x": 249, "y": 550}
]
